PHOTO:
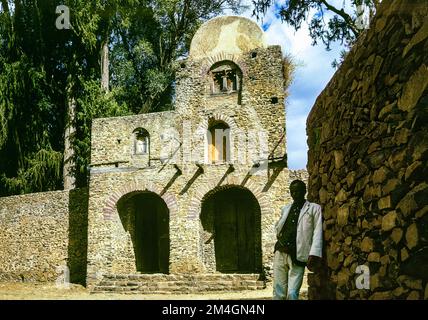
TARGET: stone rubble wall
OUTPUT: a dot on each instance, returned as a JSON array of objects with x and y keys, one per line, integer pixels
[
  {"x": 368, "y": 155},
  {"x": 41, "y": 234},
  {"x": 300, "y": 174},
  {"x": 112, "y": 139}
]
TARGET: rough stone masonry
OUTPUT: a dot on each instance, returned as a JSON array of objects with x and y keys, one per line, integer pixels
[
  {"x": 42, "y": 234},
  {"x": 368, "y": 155}
]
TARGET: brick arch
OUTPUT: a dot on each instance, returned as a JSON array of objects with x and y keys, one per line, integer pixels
[
  {"x": 218, "y": 117},
  {"x": 110, "y": 208},
  {"x": 222, "y": 56},
  {"x": 203, "y": 126},
  {"x": 195, "y": 207}
]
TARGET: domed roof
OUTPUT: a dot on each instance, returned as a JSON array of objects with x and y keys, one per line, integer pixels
[{"x": 228, "y": 34}]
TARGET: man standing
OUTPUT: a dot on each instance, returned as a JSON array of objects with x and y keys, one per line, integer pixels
[{"x": 299, "y": 243}]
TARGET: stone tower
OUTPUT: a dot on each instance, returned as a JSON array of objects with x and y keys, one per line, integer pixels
[{"x": 195, "y": 191}]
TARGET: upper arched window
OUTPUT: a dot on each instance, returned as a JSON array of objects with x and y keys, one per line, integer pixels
[
  {"x": 141, "y": 141},
  {"x": 225, "y": 77}
]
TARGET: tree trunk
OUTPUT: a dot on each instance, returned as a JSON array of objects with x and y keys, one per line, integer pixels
[
  {"x": 105, "y": 65},
  {"x": 69, "y": 179},
  {"x": 6, "y": 11}
]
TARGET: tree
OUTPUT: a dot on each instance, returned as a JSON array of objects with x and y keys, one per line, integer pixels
[
  {"x": 30, "y": 120},
  {"x": 42, "y": 71},
  {"x": 329, "y": 23}
]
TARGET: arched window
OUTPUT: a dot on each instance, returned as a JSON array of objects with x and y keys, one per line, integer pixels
[
  {"x": 225, "y": 77},
  {"x": 142, "y": 141},
  {"x": 218, "y": 142}
]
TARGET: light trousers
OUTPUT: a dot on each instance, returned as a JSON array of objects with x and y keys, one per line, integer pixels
[{"x": 287, "y": 277}]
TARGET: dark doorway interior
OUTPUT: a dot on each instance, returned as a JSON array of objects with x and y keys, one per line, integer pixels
[
  {"x": 234, "y": 216},
  {"x": 146, "y": 216}
]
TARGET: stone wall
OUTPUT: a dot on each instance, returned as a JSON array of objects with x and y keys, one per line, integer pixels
[
  {"x": 300, "y": 174},
  {"x": 41, "y": 233},
  {"x": 368, "y": 153},
  {"x": 112, "y": 139}
]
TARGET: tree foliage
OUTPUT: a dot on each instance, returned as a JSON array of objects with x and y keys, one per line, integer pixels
[
  {"x": 327, "y": 23},
  {"x": 30, "y": 119}
]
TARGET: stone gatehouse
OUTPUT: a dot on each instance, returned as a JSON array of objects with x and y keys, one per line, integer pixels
[{"x": 195, "y": 190}]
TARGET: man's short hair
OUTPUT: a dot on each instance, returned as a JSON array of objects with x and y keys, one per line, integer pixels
[{"x": 299, "y": 182}]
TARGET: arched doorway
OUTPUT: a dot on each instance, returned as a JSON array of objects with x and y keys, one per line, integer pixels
[
  {"x": 145, "y": 216},
  {"x": 232, "y": 215}
]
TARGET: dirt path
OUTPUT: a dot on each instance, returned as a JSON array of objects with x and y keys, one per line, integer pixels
[{"x": 43, "y": 291}]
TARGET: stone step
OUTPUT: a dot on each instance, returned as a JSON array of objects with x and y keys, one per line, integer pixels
[
  {"x": 172, "y": 277},
  {"x": 164, "y": 284},
  {"x": 181, "y": 282}
]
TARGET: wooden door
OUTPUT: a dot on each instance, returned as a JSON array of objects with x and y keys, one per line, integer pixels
[
  {"x": 235, "y": 231},
  {"x": 246, "y": 232},
  {"x": 151, "y": 234},
  {"x": 163, "y": 233},
  {"x": 226, "y": 241}
]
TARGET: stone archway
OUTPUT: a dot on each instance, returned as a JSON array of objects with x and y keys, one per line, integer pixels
[
  {"x": 231, "y": 215},
  {"x": 110, "y": 210},
  {"x": 194, "y": 209},
  {"x": 223, "y": 56},
  {"x": 121, "y": 252},
  {"x": 145, "y": 216},
  {"x": 204, "y": 127}
]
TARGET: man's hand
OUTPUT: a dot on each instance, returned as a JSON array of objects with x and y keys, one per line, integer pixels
[{"x": 314, "y": 263}]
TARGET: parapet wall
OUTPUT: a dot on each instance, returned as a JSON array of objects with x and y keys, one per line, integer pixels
[
  {"x": 368, "y": 155},
  {"x": 41, "y": 234}
]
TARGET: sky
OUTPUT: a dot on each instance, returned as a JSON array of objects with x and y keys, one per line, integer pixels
[{"x": 313, "y": 73}]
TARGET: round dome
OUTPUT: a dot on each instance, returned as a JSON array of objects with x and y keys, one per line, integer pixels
[{"x": 229, "y": 34}]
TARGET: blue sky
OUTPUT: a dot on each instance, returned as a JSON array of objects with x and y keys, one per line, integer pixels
[{"x": 313, "y": 73}]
